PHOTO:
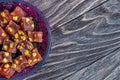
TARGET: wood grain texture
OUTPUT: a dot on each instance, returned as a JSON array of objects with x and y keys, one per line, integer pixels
[{"x": 85, "y": 40}]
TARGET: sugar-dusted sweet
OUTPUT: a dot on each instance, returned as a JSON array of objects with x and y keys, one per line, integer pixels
[
  {"x": 35, "y": 36},
  {"x": 6, "y": 70},
  {"x": 12, "y": 28},
  {"x": 27, "y": 24},
  {"x": 17, "y": 14}
]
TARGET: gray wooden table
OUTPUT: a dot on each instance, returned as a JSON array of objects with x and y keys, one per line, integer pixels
[{"x": 85, "y": 40}]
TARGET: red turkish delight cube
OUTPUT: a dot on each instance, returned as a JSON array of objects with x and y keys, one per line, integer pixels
[
  {"x": 27, "y": 24},
  {"x": 35, "y": 36},
  {"x": 9, "y": 46},
  {"x": 5, "y": 57},
  {"x": 34, "y": 57},
  {"x": 6, "y": 70},
  {"x": 12, "y": 28},
  {"x": 19, "y": 63},
  {"x": 17, "y": 14}
]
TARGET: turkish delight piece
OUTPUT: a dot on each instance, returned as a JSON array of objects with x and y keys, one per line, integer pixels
[
  {"x": 35, "y": 36},
  {"x": 17, "y": 14},
  {"x": 19, "y": 63},
  {"x": 34, "y": 57},
  {"x": 9, "y": 46},
  {"x": 27, "y": 24},
  {"x": 5, "y": 15},
  {"x": 6, "y": 70},
  {"x": 12, "y": 28},
  {"x": 20, "y": 36},
  {"x": 5, "y": 57}
]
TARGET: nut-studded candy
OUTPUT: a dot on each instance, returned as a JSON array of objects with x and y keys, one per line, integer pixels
[
  {"x": 5, "y": 57},
  {"x": 3, "y": 33},
  {"x": 25, "y": 46},
  {"x": 9, "y": 46},
  {"x": 17, "y": 14},
  {"x": 27, "y": 24},
  {"x": 6, "y": 70},
  {"x": 12, "y": 28},
  {"x": 19, "y": 63},
  {"x": 35, "y": 36},
  {"x": 20, "y": 36},
  {"x": 28, "y": 45},
  {"x": 34, "y": 57},
  {"x": 21, "y": 47},
  {"x": 5, "y": 15}
]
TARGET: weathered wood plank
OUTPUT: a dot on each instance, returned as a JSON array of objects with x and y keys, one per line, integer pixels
[
  {"x": 87, "y": 48},
  {"x": 59, "y": 12}
]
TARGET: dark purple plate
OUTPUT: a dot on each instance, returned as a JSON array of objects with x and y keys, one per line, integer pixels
[{"x": 41, "y": 24}]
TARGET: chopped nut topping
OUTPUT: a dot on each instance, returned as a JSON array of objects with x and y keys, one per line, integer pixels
[
  {"x": 16, "y": 36},
  {"x": 29, "y": 61},
  {"x": 5, "y": 21},
  {"x": 33, "y": 25},
  {"x": 11, "y": 45},
  {"x": 5, "y": 47},
  {"x": 15, "y": 18},
  {"x": 10, "y": 29},
  {"x": 16, "y": 61},
  {"x": 34, "y": 54},
  {"x": 5, "y": 60},
  {"x": 6, "y": 65},
  {"x": 3, "y": 34},
  {"x": 6, "y": 54},
  {"x": 19, "y": 47},
  {"x": 3, "y": 14},
  {"x": 26, "y": 52},
  {"x": 27, "y": 20},
  {"x": 35, "y": 60},
  {"x": 23, "y": 38},
  {"x": 30, "y": 39}
]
